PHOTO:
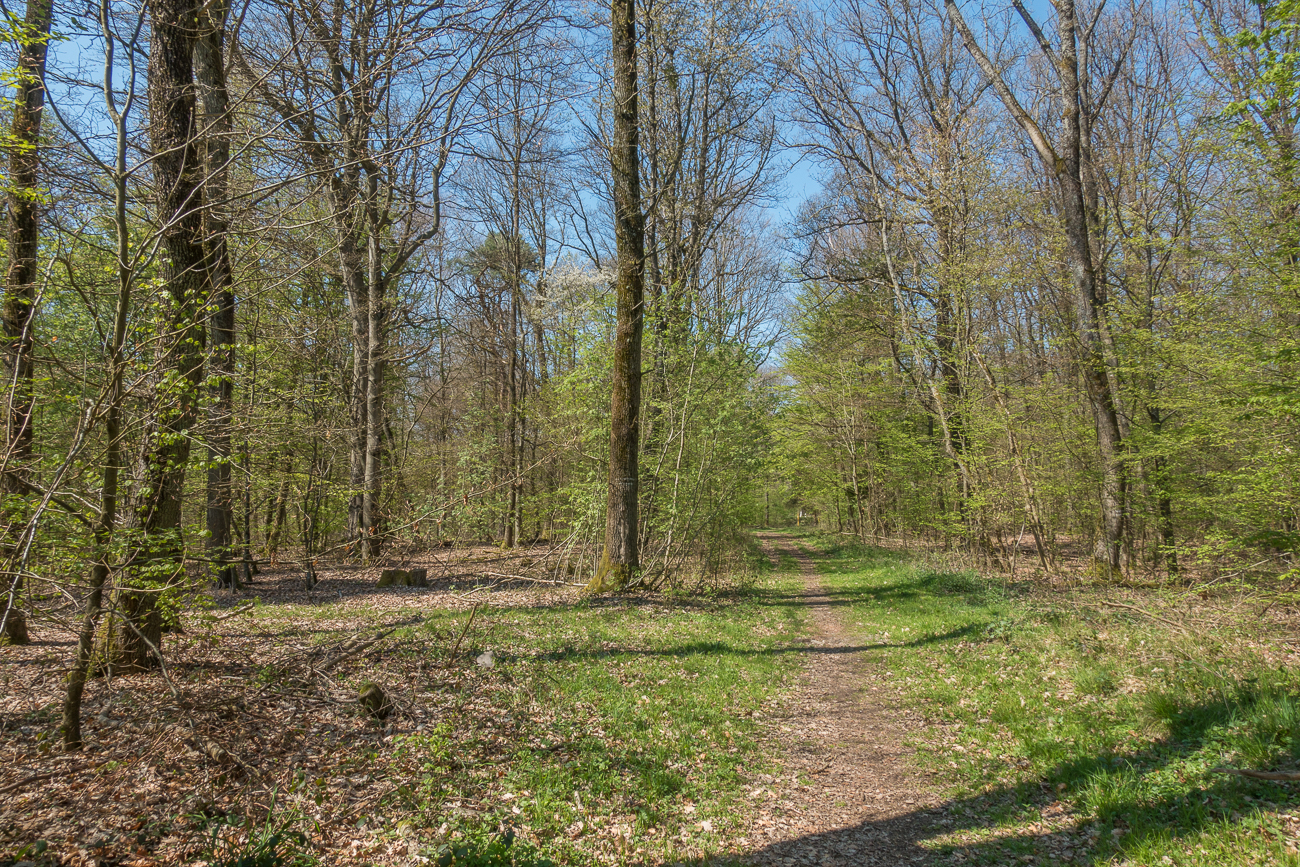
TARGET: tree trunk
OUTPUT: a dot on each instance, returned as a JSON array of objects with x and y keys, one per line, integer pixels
[
  {"x": 1089, "y": 312},
  {"x": 155, "y": 563},
  {"x": 376, "y": 339},
  {"x": 102, "y": 552},
  {"x": 210, "y": 72},
  {"x": 1064, "y": 167},
  {"x": 20, "y": 297},
  {"x": 620, "y": 561},
  {"x": 358, "y": 403},
  {"x": 1168, "y": 545},
  {"x": 278, "y": 511}
]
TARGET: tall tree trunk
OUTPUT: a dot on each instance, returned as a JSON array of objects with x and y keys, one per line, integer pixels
[
  {"x": 156, "y": 560},
  {"x": 358, "y": 402},
  {"x": 1089, "y": 312},
  {"x": 376, "y": 337},
  {"x": 210, "y": 73},
  {"x": 620, "y": 561},
  {"x": 20, "y": 298}
]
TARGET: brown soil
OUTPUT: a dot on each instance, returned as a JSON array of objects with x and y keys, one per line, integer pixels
[{"x": 848, "y": 795}]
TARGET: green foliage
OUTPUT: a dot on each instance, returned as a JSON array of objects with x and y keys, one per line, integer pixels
[
  {"x": 1274, "y": 89},
  {"x": 485, "y": 850},
  {"x": 276, "y": 842}
]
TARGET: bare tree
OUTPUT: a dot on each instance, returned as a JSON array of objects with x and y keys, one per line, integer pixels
[
  {"x": 890, "y": 103},
  {"x": 372, "y": 97},
  {"x": 1066, "y": 167},
  {"x": 119, "y": 104}
]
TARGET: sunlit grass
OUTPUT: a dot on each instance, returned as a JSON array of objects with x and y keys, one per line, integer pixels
[
  {"x": 1075, "y": 732},
  {"x": 626, "y": 727}
]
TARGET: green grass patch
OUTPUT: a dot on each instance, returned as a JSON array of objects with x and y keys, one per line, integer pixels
[
  {"x": 1066, "y": 730},
  {"x": 618, "y": 729}
]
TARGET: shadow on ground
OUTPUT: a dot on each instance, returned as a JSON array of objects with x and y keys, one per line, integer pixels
[{"x": 1010, "y": 819}]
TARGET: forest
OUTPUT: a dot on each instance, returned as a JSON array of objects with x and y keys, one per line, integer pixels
[{"x": 397, "y": 393}]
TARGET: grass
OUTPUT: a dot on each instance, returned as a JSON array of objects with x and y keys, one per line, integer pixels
[
  {"x": 607, "y": 730},
  {"x": 639, "y": 721},
  {"x": 1067, "y": 731}
]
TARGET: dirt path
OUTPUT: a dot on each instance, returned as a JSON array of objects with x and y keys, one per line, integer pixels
[{"x": 848, "y": 795}]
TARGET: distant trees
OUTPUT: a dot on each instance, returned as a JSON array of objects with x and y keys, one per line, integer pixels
[{"x": 1115, "y": 352}]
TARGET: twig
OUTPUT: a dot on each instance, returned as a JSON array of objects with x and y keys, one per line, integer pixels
[
  {"x": 468, "y": 623},
  {"x": 534, "y": 580},
  {"x": 217, "y": 618},
  {"x": 12, "y": 787},
  {"x": 353, "y": 651}
]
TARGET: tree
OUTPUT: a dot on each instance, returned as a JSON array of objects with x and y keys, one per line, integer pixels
[
  {"x": 210, "y": 75},
  {"x": 892, "y": 105},
  {"x": 620, "y": 560},
  {"x": 20, "y": 295},
  {"x": 1065, "y": 165},
  {"x": 373, "y": 98},
  {"x": 155, "y": 562}
]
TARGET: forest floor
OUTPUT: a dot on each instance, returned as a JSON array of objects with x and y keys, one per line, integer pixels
[{"x": 848, "y": 706}]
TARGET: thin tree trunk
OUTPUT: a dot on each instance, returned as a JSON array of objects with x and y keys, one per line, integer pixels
[
  {"x": 1089, "y": 310},
  {"x": 1164, "y": 503},
  {"x": 20, "y": 295},
  {"x": 102, "y": 552},
  {"x": 620, "y": 561},
  {"x": 1064, "y": 170},
  {"x": 279, "y": 509},
  {"x": 376, "y": 338},
  {"x": 358, "y": 402}
]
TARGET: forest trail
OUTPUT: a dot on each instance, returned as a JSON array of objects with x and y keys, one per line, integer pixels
[{"x": 848, "y": 796}]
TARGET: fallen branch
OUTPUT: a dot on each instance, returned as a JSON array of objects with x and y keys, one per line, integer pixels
[
  {"x": 353, "y": 651},
  {"x": 526, "y": 578},
  {"x": 1180, "y": 627},
  {"x": 217, "y": 618},
  {"x": 13, "y": 787},
  {"x": 1279, "y": 776}
]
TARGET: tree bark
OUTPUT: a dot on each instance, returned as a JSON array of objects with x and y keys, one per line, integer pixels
[
  {"x": 1089, "y": 312},
  {"x": 210, "y": 73},
  {"x": 102, "y": 553},
  {"x": 620, "y": 561},
  {"x": 155, "y": 563},
  {"x": 20, "y": 296},
  {"x": 374, "y": 426}
]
